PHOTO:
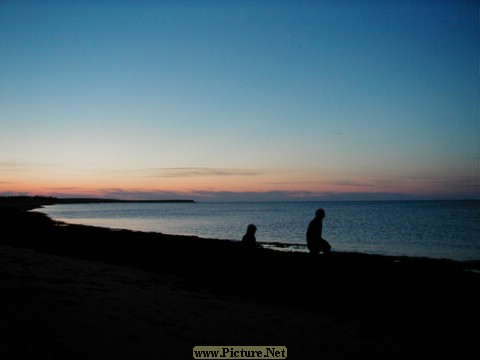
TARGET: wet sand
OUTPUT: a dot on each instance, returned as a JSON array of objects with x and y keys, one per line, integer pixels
[{"x": 80, "y": 292}]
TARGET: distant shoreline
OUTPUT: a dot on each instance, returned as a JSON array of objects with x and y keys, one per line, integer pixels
[
  {"x": 32, "y": 202},
  {"x": 103, "y": 201}
]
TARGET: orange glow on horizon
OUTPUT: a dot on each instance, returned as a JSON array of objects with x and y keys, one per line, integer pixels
[{"x": 190, "y": 187}]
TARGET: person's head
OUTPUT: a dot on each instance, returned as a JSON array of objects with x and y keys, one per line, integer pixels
[
  {"x": 320, "y": 213},
  {"x": 251, "y": 229}
]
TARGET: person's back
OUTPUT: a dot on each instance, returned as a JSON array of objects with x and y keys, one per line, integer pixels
[{"x": 314, "y": 230}]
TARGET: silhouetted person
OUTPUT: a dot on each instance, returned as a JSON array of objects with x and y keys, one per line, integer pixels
[
  {"x": 248, "y": 240},
  {"x": 315, "y": 242}
]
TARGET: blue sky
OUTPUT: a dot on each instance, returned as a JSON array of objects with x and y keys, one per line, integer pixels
[{"x": 242, "y": 100}]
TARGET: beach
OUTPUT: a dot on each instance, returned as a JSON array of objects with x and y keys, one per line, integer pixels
[{"x": 78, "y": 292}]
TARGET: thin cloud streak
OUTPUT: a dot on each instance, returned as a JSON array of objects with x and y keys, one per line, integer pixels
[
  {"x": 201, "y": 172},
  {"x": 353, "y": 183}
]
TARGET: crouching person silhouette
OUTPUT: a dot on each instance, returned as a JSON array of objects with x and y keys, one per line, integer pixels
[
  {"x": 249, "y": 241},
  {"x": 315, "y": 242}
]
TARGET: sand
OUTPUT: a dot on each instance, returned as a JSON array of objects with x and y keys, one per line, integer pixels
[{"x": 80, "y": 292}]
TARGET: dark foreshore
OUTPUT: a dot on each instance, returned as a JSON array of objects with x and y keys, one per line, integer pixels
[{"x": 401, "y": 307}]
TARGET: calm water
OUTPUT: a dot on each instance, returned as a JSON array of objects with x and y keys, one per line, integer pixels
[{"x": 436, "y": 229}]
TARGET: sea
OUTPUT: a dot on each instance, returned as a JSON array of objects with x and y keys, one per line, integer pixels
[{"x": 432, "y": 229}]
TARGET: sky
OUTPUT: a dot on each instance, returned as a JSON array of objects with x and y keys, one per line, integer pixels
[{"x": 240, "y": 100}]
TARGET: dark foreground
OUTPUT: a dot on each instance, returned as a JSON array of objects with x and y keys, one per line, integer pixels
[{"x": 79, "y": 292}]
